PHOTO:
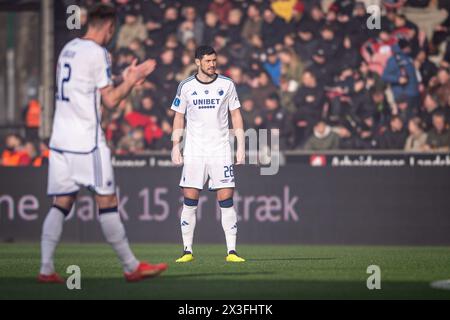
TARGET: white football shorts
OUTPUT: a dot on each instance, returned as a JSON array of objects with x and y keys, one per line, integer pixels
[
  {"x": 68, "y": 172},
  {"x": 196, "y": 170}
]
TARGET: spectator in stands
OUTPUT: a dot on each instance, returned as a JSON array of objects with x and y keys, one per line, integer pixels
[
  {"x": 400, "y": 73},
  {"x": 262, "y": 87},
  {"x": 212, "y": 28},
  {"x": 132, "y": 29},
  {"x": 252, "y": 24},
  {"x": 249, "y": 113},
  {"x": 133, "y": 143},
  {"x": 427, "y": 69},
  {"x": 192, "y": 27},
  {"x": 323, "y": 138},
  {"x": 440, "y": 86},
  {"x": 416, "y": 141},
  {"x": 273, "y": 29},
  {"x": 439, "y": 137},
  {"x": 14, "y": 154},
  {"x": 222, "y": 9},
  {"x": 32, "y": 119},
  {"x": 395, "y": 137},
  {"x": 273, "y": 66},
  {"x": 310, "y": 102},
  {"x": 275, "y": 117},
  {"x": 377, "y": 52},
  {"x": 234, "y": 27},
  {"x": 188, "y": 67},
  {"x": 42, "y": 158}
]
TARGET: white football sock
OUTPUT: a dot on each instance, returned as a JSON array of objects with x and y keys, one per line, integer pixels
[
  {"x": 188, "y": 220},
  {"x": 114, "y": 233},
  {"x": 229, "y": 225},
  {"x": 51, "y": 233}
]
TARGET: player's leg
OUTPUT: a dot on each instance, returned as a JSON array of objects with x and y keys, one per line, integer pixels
[
  {"x": 222, "y": 181},
  {"x": 109, "y": 217},
  {"x": 188, "y": 220},
  {"x": 192, "y": 180},
  {"x": 229, "y": 222},
  {"x": 51, "y": 234},
  {"x": 64, "y": 190}
]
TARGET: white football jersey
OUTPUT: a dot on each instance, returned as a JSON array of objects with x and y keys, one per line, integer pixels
[
  {"x": 83, "y": 69},
  {"x": 206, "y": 107}
]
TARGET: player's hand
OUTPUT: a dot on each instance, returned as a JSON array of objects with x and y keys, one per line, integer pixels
[
  {"x": 240, "y": 156},
  {"x": 177, "y": 158},
  {"x": 136, "y": 74}
]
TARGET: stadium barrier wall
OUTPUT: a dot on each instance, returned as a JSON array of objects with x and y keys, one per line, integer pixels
[{"x": 316, "y": 202}]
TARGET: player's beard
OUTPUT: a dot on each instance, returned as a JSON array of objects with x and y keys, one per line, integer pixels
[{"x": 209, "y": 72}]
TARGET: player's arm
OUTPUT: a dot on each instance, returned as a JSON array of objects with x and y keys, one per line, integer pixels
[
  {"x": 238, "y": 128},
  {"x": 111, "y": 96},
  {"x": 177, "y": 134}
]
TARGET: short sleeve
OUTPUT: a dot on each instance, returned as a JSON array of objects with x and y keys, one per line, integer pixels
[
  {"x": 233, "y": 99},
  {"x": 180, "y": 102},
  {"x": 102, "y": 69}
]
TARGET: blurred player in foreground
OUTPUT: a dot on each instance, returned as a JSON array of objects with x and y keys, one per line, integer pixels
[{"x": 79, "y": 154}]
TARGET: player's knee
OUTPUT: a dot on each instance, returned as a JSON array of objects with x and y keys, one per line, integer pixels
[
  {"x": 64, "y": 203},
  {"x": 108, "y": 201},
  {"x": 188, "y": 202},
  {"x": 225, "y": 204}
]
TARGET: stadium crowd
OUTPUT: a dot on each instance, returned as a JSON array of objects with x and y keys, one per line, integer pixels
[{"x": 312, "y": 69}]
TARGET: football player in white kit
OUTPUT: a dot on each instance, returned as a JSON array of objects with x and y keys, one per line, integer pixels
[
  {"x": 205, "y": 101},
  {"x": 79, "y": 154}
]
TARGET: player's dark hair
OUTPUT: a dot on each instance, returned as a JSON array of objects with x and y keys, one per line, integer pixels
[
  {"x": 100, "y": 13},
  {"x": 204, "y": 51}
]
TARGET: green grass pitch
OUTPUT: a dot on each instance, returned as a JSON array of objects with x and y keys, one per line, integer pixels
[{"x": 271, "y": 272}]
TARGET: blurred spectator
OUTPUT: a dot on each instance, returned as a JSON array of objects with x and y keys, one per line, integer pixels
[
  {"x": 14, "y": 154},
  {"x": 273, "y": 29},
  {"x": 234, "y": 27},
  {"x": 250, "y": 114},
  {"x": 395, "y": 137},
  {"x": 400, "y": 73},
  {"x": 439, "y": 137},
  {"x": 291, "y": 67},
  {"x": 273, "y": 66},
  {"x": 32, "y": 119},
  {"x": 310, "y": 102},
  {"x": 212, "y": 28},
  {"x": 426, "y": 68},
  {"x": 262, "y": 87},
  {"x": 188, "y": 67},
  {"x": 440, "y": 86},
  {"x": 274, "y": 117},
  {"x": 430, "y": 107},
  {"x": 417, "y": 138},
  {"x": 253, "y": 23},
  {"x": 132, "y": 29},
  {"x": 42, "y": 157},
  {"x": 221, "y": 8},
  {"x": 132, "y": 143},
  {"x": 377, "y": 52},
  {"x": 192, "y": 27},
  {"x": 323, "y": 138}
]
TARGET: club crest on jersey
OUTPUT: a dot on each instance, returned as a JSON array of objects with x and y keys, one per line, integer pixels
[
  {"x": 206, "y": 91},
  {"x": 220, "y": 92}
]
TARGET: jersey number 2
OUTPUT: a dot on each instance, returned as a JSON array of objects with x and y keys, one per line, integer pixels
[{"x": 60, "y": 95}]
